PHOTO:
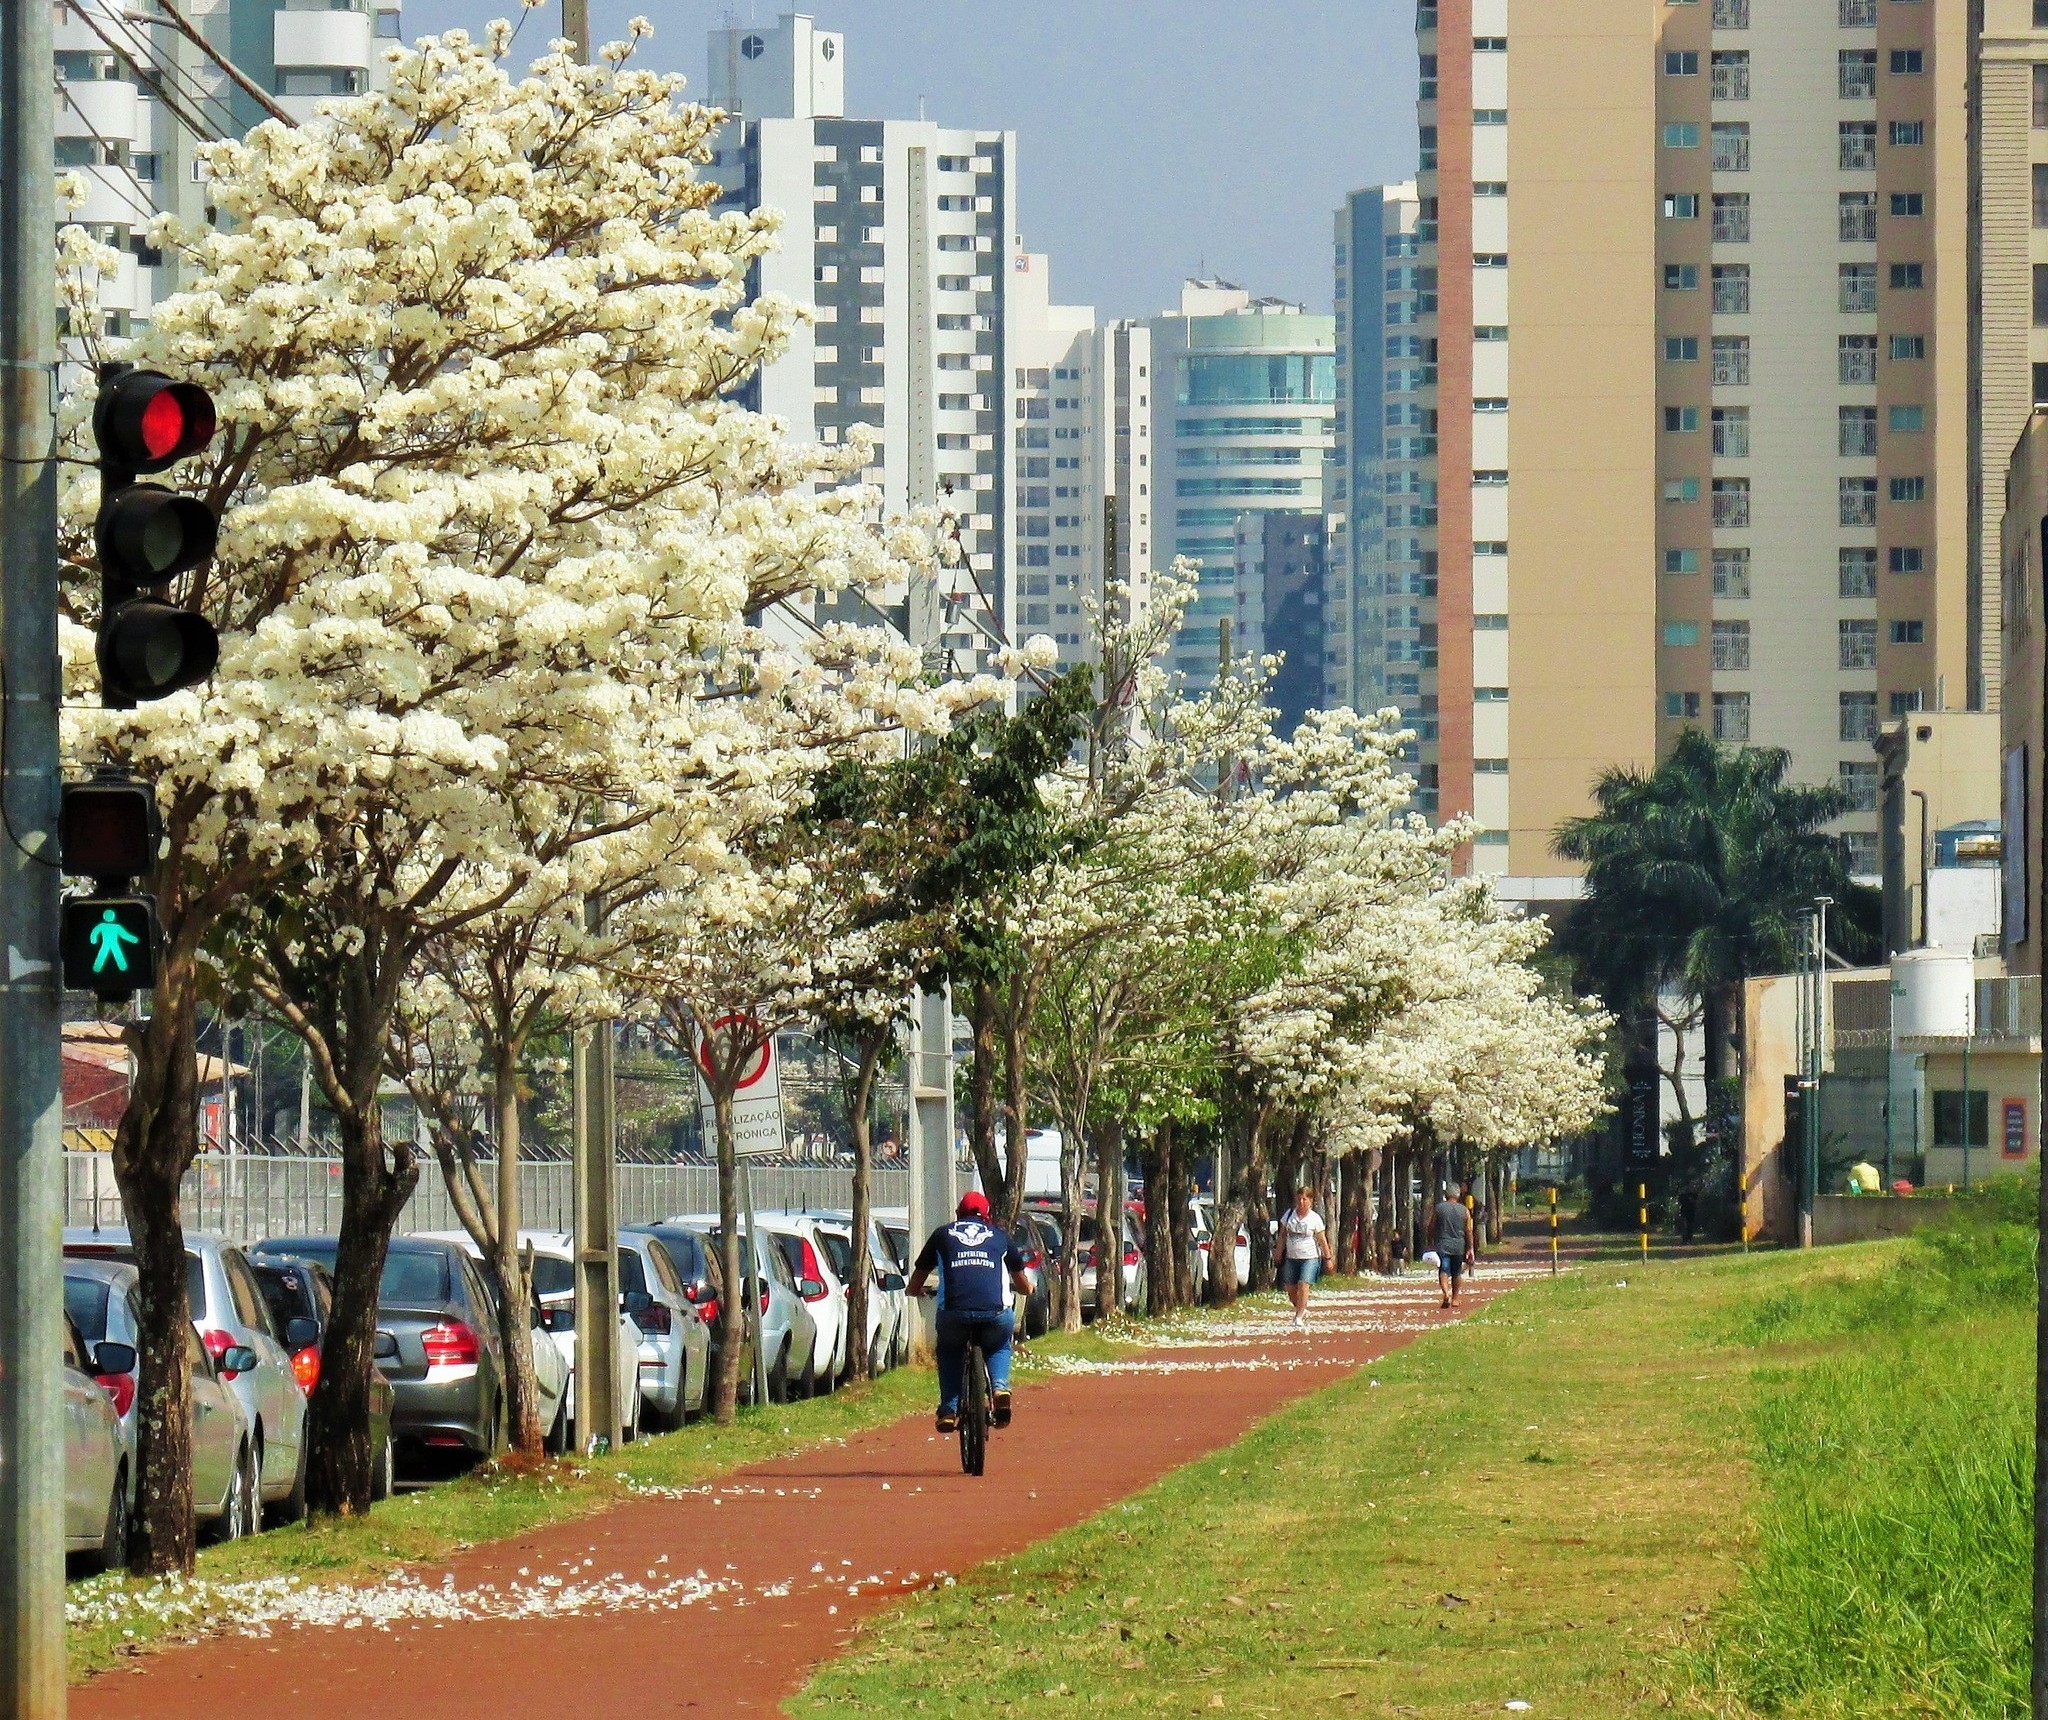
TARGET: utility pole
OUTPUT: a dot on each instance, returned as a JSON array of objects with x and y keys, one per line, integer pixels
[
  {"x": 594, "y": 1146},
  {"x": 2038, "y": 883},
  {"x": 31, "y": 1106},
  {"x": 576, "y": 27}
]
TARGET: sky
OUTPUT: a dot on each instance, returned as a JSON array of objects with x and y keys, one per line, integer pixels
[{"x": 1156, "y": 138}]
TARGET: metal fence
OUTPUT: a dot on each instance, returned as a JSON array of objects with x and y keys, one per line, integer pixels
[{"x": 247, "y": 1198}]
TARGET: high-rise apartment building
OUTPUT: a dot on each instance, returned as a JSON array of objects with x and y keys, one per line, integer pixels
[
  {"x": 1283, "y": 579},
  {"x": 900, "y": 233},
  {"x": 1702, "y": 349},
  {"x": 1057, "y": 483},
  {"x": 134, "y": 97},
  {"x": 1122, "y": 447},
  {"x": 1244, "y": 406},
  {"x": 1381, "y": 494}
]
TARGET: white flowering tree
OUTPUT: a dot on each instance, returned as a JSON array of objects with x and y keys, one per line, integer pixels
[{"x": 491, "y": 528}]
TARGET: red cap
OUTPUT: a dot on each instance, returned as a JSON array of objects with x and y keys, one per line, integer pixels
[{"x": 973, "y": 1204}]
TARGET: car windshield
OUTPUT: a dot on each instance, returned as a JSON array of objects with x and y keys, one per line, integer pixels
[
  {"x": 281, "y": 1289},
  {"x": 413, "y": 1277},
  {"x": 85, "y": 1300},
  {"x": 195, "y": 1286},
  {"x": 552, "y": 1276},
  {"x": 632, "y": 1275},
  {"x": 686, "y": 1251},
  {"x": 839, "y": 1251}
]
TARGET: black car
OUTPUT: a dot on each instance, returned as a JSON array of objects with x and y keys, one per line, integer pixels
[
  {"x": 437, "y": 1343},
  {"x": 301, "y": 1298},
  {"x": 696, "y": 1263}
]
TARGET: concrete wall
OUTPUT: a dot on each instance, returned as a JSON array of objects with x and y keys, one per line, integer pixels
[{"x": 1865, "y": 1218}]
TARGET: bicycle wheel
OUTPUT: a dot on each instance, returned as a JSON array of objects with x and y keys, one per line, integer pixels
[{"x": 974, "y": 1413}]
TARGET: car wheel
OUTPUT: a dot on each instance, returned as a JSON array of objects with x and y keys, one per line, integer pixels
[
  {"x": 292, "y": 1506},
  {"x": 229, "y": 1525},
  {"x": 809, "y": 1385},
  {"x": 778, "y": 1378},
  {"x": 558, "y": 1434},
  {"x": 112, "y": 1552},
  {"x": 252, "y": 1493},
  {"x": 383, "y": 1474}
]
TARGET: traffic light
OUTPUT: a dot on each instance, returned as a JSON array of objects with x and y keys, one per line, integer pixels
[
  {"x": 108, "y": 830},
  {"x": 147, "y": 535}
]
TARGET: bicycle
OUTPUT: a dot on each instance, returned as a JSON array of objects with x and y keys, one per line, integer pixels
[{"x": 976, "y": 1410}]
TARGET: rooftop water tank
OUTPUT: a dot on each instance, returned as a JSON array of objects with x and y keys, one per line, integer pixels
[{"x": 1932, "y": 993}]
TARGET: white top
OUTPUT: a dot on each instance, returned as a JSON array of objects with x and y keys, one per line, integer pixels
[{"x": 1304, "y": 1235}]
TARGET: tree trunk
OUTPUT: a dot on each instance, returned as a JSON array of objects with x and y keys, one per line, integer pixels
[
  {"x": 1718, "y": 1011},
  {"x": 735, "y": 1314},
  {"x": 1180, "y": 1185},
  {"x": 1016, "y": 1118},
  {"x": 1068, "y": 1299},
  {"x": 523, "y": 1430},
  {"x": 1155, "y": 1155},
  {"x": 156, "y": 1141},
  {"x": 1348, "y": 1237},
  {"x": 1259, "y": 1215},
  {"x": 373, "y": 1194},
  {"x": 1109, "y": 1218},
  {"x": 1232, "y": 1209},
  {"x": 873, "y": 1044},
  {"x": 981, "y": 1092}
]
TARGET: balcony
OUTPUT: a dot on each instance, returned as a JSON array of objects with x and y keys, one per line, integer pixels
[
  {"x": 323, "y": 38},
  {"x": 106, "y": 107}
]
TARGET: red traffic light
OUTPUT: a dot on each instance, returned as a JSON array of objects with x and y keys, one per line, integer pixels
[{"x": 144, "y": 421}]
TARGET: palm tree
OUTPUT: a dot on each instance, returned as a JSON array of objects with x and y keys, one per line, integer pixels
[{"x": 1696, "y": 877}]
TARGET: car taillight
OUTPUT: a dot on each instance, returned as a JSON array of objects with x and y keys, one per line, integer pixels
[
  {"x": 707, "y": 1310},
  {"x": 450, "y": 1344},
  {"x": 694, "y": 1293},
  {"x": 121, "y": 1388},
  {"x": 1087, "y": 1257},
  {"x": 1203, "y": 1245},
  {"x": 218, "y": 1343},
  {"x": 653, "y": 1319},
  {"x": 306, "y": 1368},
  {"x": 1130, "y": 1257},
  {"x": 814, "y": 1271},
  {"x": 764, "y": 1299},
  {"x": 1033, "y": 1261}
]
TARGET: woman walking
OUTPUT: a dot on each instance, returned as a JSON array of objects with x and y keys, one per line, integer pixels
[{"x": 1304, "y": 1251}]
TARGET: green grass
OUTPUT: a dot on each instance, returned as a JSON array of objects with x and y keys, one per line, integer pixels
[{"x": 1778, "y": 1484}]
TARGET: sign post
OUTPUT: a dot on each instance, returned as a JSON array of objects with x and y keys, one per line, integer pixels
[{"x": 757, "y": 1133}]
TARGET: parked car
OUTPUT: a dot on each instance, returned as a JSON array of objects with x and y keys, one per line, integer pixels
[
  {"x": 443, "y": 1358},
  {"x": 796, "y": 1236},
  {"x": 104, "y": 1301},
  {"x": 224, "y": 1302},
  {"x": 1038, "y": 1240},
  {"x": 894, "y": 1223},
  {"x": 1130, "y": 1276},
  {"x": 1241, "y": 1255},
  {"x": 554, "y": 1287},
  {"x": 696, "y": 1264},
  {"x": 788, "y": 1334},
  {"x": 675, "y": 1350},
  {"x": 97, "y": 1463},
  {"x": 301, "y": 1298},
  {"x": 888, "y": 1306}
]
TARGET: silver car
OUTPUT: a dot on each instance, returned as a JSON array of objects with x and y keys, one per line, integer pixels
[
  {"x": 789, "y": 1336},
  {"x": 96, "y": 1465},
  {"x": 104, "y": 1300},
  {"x": 675, "y": 1348},
  {"x": 227, "y": 1305},
  {"x": 887, "y": 1334}
]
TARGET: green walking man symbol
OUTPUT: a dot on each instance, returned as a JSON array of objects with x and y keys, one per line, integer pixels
[{"x": 107, "y": 939}]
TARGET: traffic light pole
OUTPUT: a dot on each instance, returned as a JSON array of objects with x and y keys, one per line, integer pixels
[{"x": 31, "y": 1113}]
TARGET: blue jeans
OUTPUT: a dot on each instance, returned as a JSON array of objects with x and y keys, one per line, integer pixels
[{"x": 991, "y": 1332}]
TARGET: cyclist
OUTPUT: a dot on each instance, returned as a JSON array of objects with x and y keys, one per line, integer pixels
[{"x": 976, "y": 1264}]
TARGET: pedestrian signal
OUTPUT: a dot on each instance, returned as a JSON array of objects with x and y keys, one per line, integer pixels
[
  {"x": 147, "y": 535},
  {"x": 109, "y": 944},
  {"x": 108, "y": 829}
]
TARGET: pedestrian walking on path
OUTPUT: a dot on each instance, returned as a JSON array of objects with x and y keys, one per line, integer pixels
[
  {"x": 1452, "y": 1223},
  {"x": 1304, "y": 1252}
]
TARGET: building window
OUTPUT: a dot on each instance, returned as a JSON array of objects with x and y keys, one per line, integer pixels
[
  {"x": 1859, "y": 782},
  {"x": 1907, "y": 348},
  {"x": 1856, "y": 431},
  {"x": 1858, "y": 288},
  {"x": 1858, "y": 501},
  {"x": 1489, "y": 623},
  {"x": 1857, "y": 151},
  {"x": 2041, "y": 194},
  {"x": 1857, "y": 357},
  {"x": 2041, "y": 98},
  {"x": 1907, "y": 633},
  {"x": 1908, "y": 133},
  {"x": 1684, "y": 706},
  {"x": 1681, "y": 635},
  {"x": 1858, "y": 716},
  {"x": 1909, "y": 489},
  {"x": 1906, "y": 558},
  {"x": 1490, "y": 188},
  {"x": 1731, "y": 14},
  {"x": 1731, "y": 503},
  {"x": 1489, "y": 116},
  {"x": 1682, "y": 134},
  {"x": 1903, "y": 703},
  {"x": 1681, "y": 489},
  {"x": 1731, "y": 217},
  {"x": 1681, "y": 561},
  {"x": 1678, "y": 206},
  {"x": 1907, "y": 277},
  {"x": 1907, "y": 62},
  {"x": 1856, "y": 644},
  {"x": 1856, "y": 572},
  {"x": 1861, "y": 848},
  {"x": 1681, "y": 349},
  {"x": 1489, "y": 695},
  {"x": 1731, "y": 717},
  {"x": 1730, "y": 69},
  {"x": 2040, "y": 384},
  {"x": 1857, "y": 14},
  {"x": 1680, "y": 418},
  {"x": 1856, "y": 74},
  {"x": 2040, "y": 295},
  {"x": 1731, "y": 289},
  {"x": 1731, "y": 361},
  {"x": 1731, "y": 647},
  {"x": 1683, "y": 63},
  {"x": 1685, "y": 278},
  {"x": 1731, "y": 432},
  {"x": 1948, "y": 1118},
  {"x": 1731, "y": 574},
  {"x": 1906, "y": 420},
  {"x": 1731, "y": 146},
  {"x": 1856, "y": 217},
  {"x": 319, "y": 81}
]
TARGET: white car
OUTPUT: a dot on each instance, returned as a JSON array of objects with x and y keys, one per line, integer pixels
[
  {"x": 675, "y": 1346},
  {"x": 95, "y": 1452},
  {"x": 888, "y": 1305},
  {"x": 796, "y": 1238}
]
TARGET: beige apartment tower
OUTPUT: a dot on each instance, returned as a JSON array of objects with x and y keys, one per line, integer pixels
[{"x": 1703, "y": 360}]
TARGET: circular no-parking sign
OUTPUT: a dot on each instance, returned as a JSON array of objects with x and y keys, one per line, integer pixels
[{"x": 763, "y": 1057}]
